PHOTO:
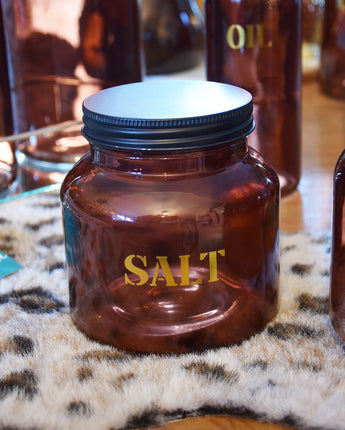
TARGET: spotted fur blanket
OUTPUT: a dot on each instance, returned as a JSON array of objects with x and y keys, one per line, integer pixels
[{"x": 52, "y": 377}]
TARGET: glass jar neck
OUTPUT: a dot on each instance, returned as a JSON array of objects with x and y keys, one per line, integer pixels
[{"x": 180, "y": 162}]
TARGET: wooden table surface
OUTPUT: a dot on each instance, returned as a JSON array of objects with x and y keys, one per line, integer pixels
[{"x": 309, "y": 208}]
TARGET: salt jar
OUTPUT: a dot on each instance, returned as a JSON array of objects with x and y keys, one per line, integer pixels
[{"x": 171, "y": 221}]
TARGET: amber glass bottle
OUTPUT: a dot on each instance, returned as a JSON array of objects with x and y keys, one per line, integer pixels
[
  {"x": 171, "y": 222},
  {"x": 337, "y": 279},
  {"x": 60, "y": 52},
  {"x": 173, "y": 35},
  {"x": 333, "y": 49},
  {"x": 256, "y": 45},
  {"x": 8, "y": 162}
]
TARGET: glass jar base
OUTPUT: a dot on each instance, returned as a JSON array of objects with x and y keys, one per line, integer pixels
[
  {"x": 175, "y": 319},
  {"x": 337, "y": 307},
  {"x": 338, "y": 323},
  {"x": 38, "y": 173}
]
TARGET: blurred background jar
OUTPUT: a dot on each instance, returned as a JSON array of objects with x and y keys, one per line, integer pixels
[
  {"x": 332, "y": 77},
  {"x": 8, "y": 163},
  {"x": 173, "y": 35},
  {"x": 312, "y": 17},
  {"x": 256, "y": 45},
  {"x": 59, "y": 52}
]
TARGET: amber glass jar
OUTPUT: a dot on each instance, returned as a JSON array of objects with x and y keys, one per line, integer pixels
[
  {"x": 337, "y": 282},
  {"x": 256, "y": 45},
  {"x": 332, "y": 76},
  {"x": 171, "y": 222},
  {"x": 59, "y": 52}
]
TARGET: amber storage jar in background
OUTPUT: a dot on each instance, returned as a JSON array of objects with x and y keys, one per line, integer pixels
[
  {"x": 171, "y": 221},
  {"x": 332, "y": 75},
  {"x": 256, "y": 45}
]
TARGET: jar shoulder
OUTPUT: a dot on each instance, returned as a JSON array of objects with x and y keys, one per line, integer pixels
[
  {"x": 252, "y": 164},
  {"x": 93, "y": 188}
]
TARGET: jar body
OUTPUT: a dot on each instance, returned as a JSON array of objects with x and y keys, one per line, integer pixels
[
  {"x": 172, "y": 253},
  {"x": 256, "y": 45},
  {"x": 332, "y": 73},
  {"x": 337, "y": 273}
]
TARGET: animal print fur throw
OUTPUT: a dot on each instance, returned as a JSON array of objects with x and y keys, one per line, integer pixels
[{"x": 52, "y": 377}]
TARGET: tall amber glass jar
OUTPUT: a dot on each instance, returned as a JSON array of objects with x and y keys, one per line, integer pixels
[
  {"x": 337, "y": 283},
  {"x": 256, "y": 45},
  {"x": 171, "y": 221},
  {"x": 332, "y": 75}
]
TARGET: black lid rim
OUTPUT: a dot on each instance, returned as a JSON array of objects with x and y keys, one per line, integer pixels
[
  {"x": 177, "y": 143},
  {"x": 164, "y": 133},
  {"x": 178, "y": 134}
]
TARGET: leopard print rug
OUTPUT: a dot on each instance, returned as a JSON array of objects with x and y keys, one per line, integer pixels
[{"x": 52, "y": 377}]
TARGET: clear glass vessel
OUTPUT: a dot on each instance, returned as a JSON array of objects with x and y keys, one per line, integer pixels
[
  {"x": 332, "y": 76},
  {"x": 171, "y": 221},
  {"x": 337, "y": 278},
  {"x": 256, "y": 45}
]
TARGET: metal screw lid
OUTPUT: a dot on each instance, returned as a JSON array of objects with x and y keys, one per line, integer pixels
[{"x": 167, "y": 115}]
